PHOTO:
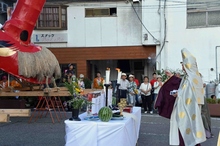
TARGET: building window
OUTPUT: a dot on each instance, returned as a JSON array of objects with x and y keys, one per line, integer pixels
[
  {"x": 100, "y": 12},
  {"x": 52, "y": 17},
  {"x": 205, "y": 13}
]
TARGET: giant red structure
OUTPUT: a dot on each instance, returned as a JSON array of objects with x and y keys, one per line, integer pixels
[{"x": 18, "y": 56}]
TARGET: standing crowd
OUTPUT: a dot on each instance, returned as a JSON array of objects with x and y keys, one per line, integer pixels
[
  {"x": 131, "y": 89},
  {"x": 137, "y": 94},
  {"x": 180, "y": 99}
]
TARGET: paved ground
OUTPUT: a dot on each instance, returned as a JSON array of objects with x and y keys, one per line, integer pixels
[{"x": 153, "y": 132}]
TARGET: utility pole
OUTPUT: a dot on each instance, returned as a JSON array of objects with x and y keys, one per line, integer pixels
[{"x": 216, "y": 62}]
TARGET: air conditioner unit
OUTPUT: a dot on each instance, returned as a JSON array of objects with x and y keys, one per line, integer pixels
[{"x": 3, "y": 7}]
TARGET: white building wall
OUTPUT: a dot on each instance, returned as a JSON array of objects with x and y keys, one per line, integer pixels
[
  {"x": 200, "y": 42},
  {"x": 151, "y": 19},
  {"x": 123, "y": 30}
]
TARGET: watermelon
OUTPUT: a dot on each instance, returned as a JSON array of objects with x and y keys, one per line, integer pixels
[{"x": 105, "y": 114}]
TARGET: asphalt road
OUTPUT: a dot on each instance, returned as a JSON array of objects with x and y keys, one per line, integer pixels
[{"x": 154, "y": 131}]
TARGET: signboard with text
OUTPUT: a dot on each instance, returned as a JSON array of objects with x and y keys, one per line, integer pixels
[{"x": 49, "y": 38}]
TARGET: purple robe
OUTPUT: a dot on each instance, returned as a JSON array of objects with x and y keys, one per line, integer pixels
[{"x": 165, "y": 102}]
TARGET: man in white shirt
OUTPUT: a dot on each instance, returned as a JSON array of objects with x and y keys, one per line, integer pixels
[{"x": 123, "y": 86}]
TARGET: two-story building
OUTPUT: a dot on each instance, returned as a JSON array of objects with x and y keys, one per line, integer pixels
[
  {"x": 191, "y": 24},
  {"x": 95, "y": 35},
  {"x": 134, "y": 36}
]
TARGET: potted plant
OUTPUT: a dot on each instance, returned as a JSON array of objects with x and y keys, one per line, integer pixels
[
  {"x": 77, "y": 101},
  {"x": 214, "y": 106}
]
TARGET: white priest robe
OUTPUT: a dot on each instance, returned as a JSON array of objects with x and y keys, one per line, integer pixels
[{"x": 186, "y": 114}]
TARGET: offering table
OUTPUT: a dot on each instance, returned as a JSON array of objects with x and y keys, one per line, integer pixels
[{"x": 97, "y": 133}]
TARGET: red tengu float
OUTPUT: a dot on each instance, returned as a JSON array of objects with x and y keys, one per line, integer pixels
[{"x": 18, "y": 56}]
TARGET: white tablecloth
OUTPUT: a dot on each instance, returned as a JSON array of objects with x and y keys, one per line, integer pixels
[
  {"x": 97, "y": 133},
  {"x": 99, "y": 101}
]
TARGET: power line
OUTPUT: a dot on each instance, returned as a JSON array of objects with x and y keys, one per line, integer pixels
[
  {"x": 156, "y": 40},
  {"x": 165, "y": 26},
  {"x": 165, "y": 31},
  {"x": 181, "y": 4}
]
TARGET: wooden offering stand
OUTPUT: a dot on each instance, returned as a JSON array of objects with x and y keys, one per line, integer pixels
[{"x": 48, "y": 101}]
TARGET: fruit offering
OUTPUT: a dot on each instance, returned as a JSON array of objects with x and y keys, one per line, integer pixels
[
  {"x": 105, "y": 114},
  {"x": 121, "y": 105}
]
